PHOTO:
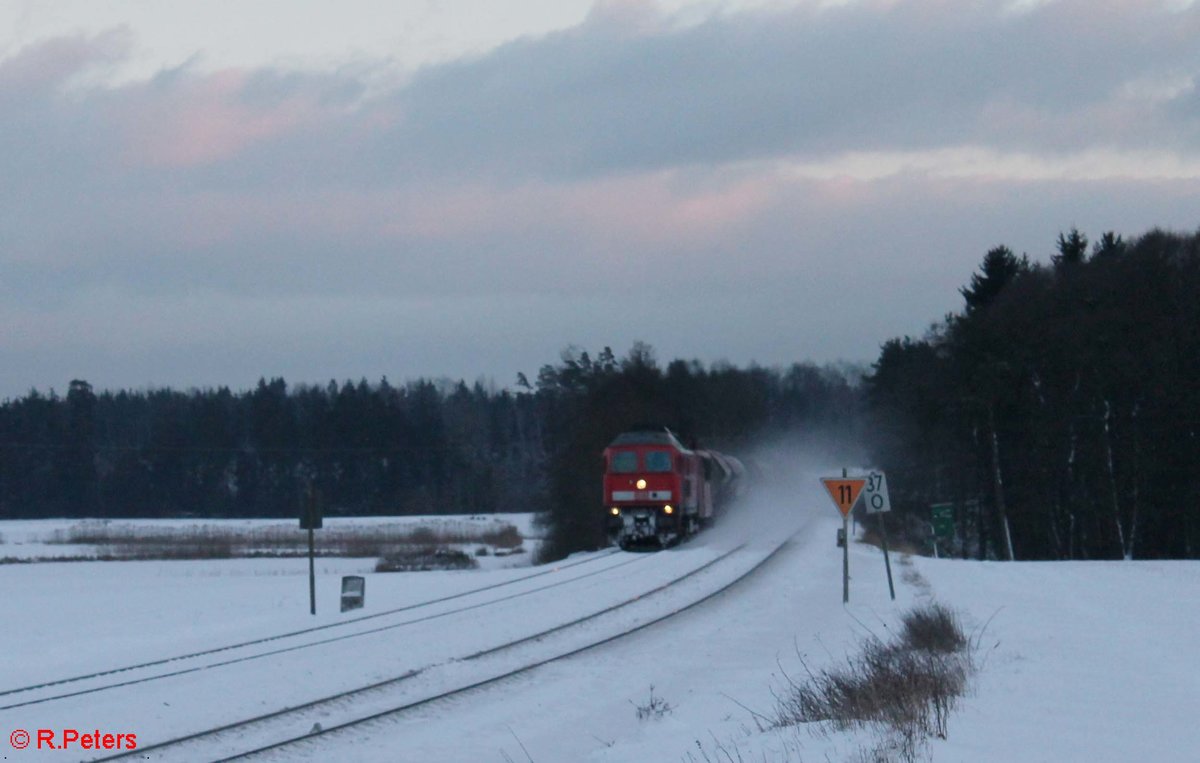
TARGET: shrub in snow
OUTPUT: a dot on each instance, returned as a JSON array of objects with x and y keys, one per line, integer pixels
[
  {"x": 424, "y": 559},
  {"x": 933, "y": 628},
  {"x": 506, "y": 536},
  {"x": 907, "y": 688},
  {"x": 655, "y": 707}
]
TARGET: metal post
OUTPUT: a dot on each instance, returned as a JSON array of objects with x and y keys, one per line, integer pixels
[
  {"x": 312, "y": 576},
  {"x": 887, "y": 562},
  {"x": 845, "y": 554},
  {"x": 846, "y": 561}
]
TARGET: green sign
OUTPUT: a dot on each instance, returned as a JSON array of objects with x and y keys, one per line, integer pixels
[{"x": 942, "y": 517}]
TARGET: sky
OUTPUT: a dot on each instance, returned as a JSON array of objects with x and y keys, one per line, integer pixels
[{"x": 205, "y": 193}]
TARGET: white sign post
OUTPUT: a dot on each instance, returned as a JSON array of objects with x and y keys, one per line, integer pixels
[
  {"x": 876, "y": 501},
  {"x": 875, "y": 494}
]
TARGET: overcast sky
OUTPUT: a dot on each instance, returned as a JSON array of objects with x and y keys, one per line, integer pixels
[{"x": 203, "y": 193}]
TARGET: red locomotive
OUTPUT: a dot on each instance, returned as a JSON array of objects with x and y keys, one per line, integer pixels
[{"x": 657, "y": 492}]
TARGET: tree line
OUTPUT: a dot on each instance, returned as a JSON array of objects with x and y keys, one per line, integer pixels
[
  {"x": 369, "y": 449},
  {"x": 1059, "y": 410},
  {"x": 425, "y": 447}
]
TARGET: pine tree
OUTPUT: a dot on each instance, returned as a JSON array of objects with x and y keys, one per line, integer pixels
[
  {"x": 1072, "y": 250},
  {"x": 1000, "y": 267}
]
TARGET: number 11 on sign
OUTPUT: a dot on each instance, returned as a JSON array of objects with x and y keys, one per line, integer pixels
[{"x": 844, "y": 492}]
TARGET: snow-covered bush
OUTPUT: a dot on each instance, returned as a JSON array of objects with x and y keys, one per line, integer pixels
[
  {"x": 424, "y": 559},
  {"x": 906, "y": 689}
]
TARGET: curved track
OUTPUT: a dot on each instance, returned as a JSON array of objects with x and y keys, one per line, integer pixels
[
  {"x": 416, "y": 687},
  {"x": 140, "y": 673}
]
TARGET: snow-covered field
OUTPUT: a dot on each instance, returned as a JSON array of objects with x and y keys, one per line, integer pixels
[{"x": 1079, "y": 661}]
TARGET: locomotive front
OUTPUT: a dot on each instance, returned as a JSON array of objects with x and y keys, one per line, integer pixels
[{"x": 648, "y": 489}]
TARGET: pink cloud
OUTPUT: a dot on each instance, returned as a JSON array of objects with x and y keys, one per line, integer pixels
[
  {"x": 191, "y": 120},
  {"x": 653, "y": 208}
]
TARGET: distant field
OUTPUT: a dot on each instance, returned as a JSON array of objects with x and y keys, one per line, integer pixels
[{"x": 352, "y": 537}]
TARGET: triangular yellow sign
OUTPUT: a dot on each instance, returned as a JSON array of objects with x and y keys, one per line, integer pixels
[{"x": 844, "y": 491}]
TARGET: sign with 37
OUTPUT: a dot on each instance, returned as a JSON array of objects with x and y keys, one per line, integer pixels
[{"x": 875, "y": 494}]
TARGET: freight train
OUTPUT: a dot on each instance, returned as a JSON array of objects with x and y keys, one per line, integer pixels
[{"x": 657, "y": 492}]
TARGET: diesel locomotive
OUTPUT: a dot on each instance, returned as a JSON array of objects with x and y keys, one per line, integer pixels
[{"x": 657, "y": 492}]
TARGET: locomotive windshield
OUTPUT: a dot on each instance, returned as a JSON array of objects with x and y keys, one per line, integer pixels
[
  {"x": 624, "y": 462},
  {"x": 658, "y": 461}
]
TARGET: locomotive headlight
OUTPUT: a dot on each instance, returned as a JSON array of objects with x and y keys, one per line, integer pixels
[
  {"x": 615, "y": 511},
  {"x": 668, "y": 509},
  {"x": 641, "y": 484}
]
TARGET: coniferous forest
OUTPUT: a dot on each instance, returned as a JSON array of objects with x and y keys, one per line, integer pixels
[{"x": 1057, "y": 412}]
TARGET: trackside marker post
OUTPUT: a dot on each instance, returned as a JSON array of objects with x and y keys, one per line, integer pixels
[
  {"x": 844, "y": 492},
  {"x": 311, "y": 518},
  {"x": 876, "y": 501}
]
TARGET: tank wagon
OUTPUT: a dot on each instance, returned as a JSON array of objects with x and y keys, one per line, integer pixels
[{"x": 657, "y": 492}]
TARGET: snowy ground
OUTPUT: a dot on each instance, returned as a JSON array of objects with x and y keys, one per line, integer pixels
[{"x": 1080, "y": 661}]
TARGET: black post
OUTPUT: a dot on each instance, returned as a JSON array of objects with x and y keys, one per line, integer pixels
[
  {"x": 845, "y": 554},
  {"x": 886, "y": 561},
  {"x": 312, "y": 576},
  {"x": 310, "y": 519}
]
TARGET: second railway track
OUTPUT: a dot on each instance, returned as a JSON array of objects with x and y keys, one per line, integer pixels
[
  {"x": 307, "y": 722},
  {"x": 353, "y": 627}
]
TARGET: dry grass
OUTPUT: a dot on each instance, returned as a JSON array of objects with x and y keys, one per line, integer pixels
[
  {"x": 933, "y": 628},
  {"x": 127, "y": 541},
  {"x": 906, "y": 689},
  {"x": 653, "y": 708}
]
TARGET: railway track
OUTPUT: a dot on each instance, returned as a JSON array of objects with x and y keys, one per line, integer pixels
[
  {"x": 310, "y": 722},
  {"x": 246, "y": 651}
]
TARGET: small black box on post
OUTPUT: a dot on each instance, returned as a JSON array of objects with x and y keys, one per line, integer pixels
[{"x": 311, "y": 513}]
